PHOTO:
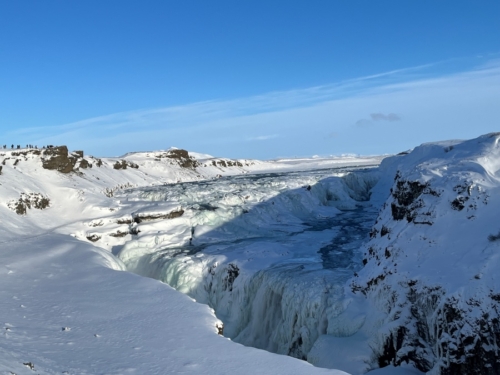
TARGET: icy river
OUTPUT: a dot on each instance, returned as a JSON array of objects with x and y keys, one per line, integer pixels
[{"x": 270, "y": 253}]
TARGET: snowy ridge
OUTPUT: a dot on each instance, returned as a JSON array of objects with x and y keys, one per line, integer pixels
[{"x": 432, "y": 263}]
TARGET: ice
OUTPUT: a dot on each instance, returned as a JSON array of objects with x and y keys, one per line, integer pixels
[
  {"x": 270, "y": 253},
  {"x": 60, "y": 269}
]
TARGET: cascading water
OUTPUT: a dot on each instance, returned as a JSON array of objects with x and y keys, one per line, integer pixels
[{"x": 270, "y": 253}]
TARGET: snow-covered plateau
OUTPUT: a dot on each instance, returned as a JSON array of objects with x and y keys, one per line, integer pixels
[{"x": 173, "y": 262}]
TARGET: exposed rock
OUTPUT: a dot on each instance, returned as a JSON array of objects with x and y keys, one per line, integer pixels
[
  {"x": 27, "y": 201},
  {"x": 124, "y": 221},
  {"x": 29, "y": 365},
  {"x": 139, "y": 218},
  {"x": 93, "y": 237},
  {"x": 438, "y": 314},
  {"x": 459, "y": 203},
  {"x": 119, "y": 234},
  {"x": 226, "y": 163},
  {"x": 407, "y": 203},
  {"x": 85, "y": 164},
  {"x": 181, "y": 157},
  {"x": 120, "y": 165},
  {"x": 232, "y": 273},
  {"x": 110, "y": 192},
  {"x": 123, "y": 164},
  {"x": 96, "y": 223},
  {"x": 57, "y": 158},
  {"x": 220, "y": 328}
]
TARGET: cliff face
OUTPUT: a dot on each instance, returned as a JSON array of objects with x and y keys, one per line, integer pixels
[{"x": 433, "y": 258}]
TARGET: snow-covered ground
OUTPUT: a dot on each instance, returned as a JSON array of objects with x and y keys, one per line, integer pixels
[
  {"x": 68, "y": 306},
  {"x": 339, "y": 261}
]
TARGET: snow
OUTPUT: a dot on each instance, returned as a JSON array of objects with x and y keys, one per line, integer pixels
[
  {"x": 339, "y": 261},
  {"x": 67, "y": 309},
  {"x": 69, "y": 306},
  {"x": 436, "y": 268}
]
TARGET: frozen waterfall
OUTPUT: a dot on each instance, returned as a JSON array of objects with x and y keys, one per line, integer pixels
[{"x": 270, "y": 253}]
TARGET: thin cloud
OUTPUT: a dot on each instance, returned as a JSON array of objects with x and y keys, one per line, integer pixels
[
  {"x": 195, "y": 113},
  {"x": 381, "y": 117},
  {"x": 376, "y": 117},
  {"x": 363, "y": 122},
  {"x": 263, "y": 137},
  {"x": 307, "y": 117},
  {"x": 333, "y": 135}
]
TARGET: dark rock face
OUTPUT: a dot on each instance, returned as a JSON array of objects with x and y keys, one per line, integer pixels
[
  {"x": 459, "y": 203},
  {"x": 220, "y": 328},
  {"x": 57, "y": 158},
  {"x": 478, "y": 352},
  {"x": 139, "y": 218},
  {"x": 120, "y": 165},
  {"x": 232, "y": 273},
  {"x": 409, "y": 202},
  {"x": 123, "y": 164},
  {"x": 406, "y": 196},
  {"x": 84, "y": 164},
  {"x": 119, "y": 234},
  {"x": 124, "y": 221},
  {"x": 93, "y": 237}
]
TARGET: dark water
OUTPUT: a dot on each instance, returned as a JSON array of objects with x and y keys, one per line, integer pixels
[{"x": 354, "y": 226}]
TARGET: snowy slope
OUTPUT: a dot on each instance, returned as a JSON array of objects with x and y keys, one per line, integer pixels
[
  {"x": 432, "y": 263},
  {"x": 68, "y": 307},
  {"x": 270, "y": 250}
]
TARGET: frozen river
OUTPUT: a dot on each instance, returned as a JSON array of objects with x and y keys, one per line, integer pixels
[{"x": 270, "y": 253}]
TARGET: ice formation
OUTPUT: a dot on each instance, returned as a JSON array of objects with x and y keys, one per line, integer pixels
[
  {"x": 359, "y": 269},
  {"x": 270, "y": 253}
]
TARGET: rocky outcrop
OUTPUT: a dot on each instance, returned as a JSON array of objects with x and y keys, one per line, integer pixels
[
  {"x": 123, "y": 164},
  {"x": 27, "y": 201},
  {"x": 143, "y": 216},
  {"x": 84, "y": 164},
  {"x": 58, "y": 158},
  {"x": 226, "y": 163},
  {"x": 93, "y": 237},
  {"x": 180, "y": 157}
]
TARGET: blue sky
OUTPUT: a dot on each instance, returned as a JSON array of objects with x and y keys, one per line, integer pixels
[{"x": 256, "y": 79}]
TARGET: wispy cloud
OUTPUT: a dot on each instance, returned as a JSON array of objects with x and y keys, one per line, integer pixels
[
  {"x": 309, "y": 119},
  {"x": 263, "y": 137},
  {"x": 381, "y": 117},
  {"x": 376, "y": 117},
  {"x": 333, "y": 134}
]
